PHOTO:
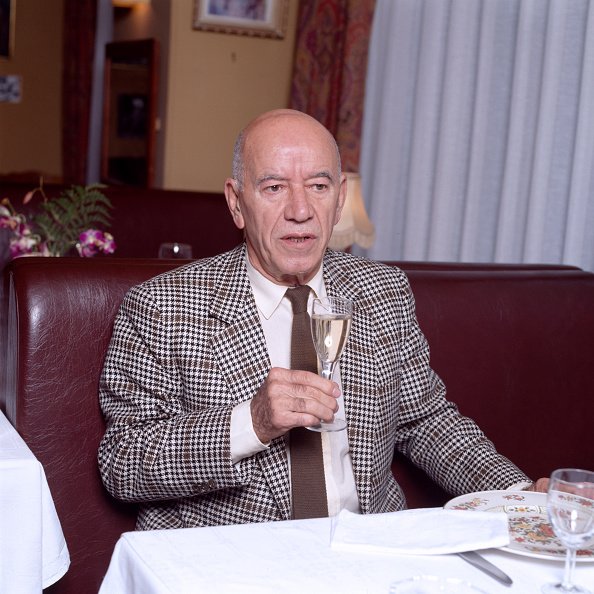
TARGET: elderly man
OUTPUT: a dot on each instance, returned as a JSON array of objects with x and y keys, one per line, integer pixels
[{"x": 204, "y": 413}]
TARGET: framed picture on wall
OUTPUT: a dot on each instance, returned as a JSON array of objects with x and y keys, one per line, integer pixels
[
  {"x": 258, "y": 18},
  {"x": 6, "y": 27}
]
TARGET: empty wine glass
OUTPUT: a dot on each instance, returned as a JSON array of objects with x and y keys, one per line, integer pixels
[
  {"x": 330, "y": 326},
  {"x": 175, "y": 250},
  {"x": 570, "y": 507}
]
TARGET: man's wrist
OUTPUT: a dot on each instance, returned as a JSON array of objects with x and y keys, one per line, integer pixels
[{"x": 244, "y": 441}]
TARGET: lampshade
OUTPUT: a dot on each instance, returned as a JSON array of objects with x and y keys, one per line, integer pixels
[{"x": 354, "y": 226}]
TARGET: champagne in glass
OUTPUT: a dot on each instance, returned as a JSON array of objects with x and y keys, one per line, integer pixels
[
  {"x": 330, "y": 326},
  {"x": 570, "y": 507}
]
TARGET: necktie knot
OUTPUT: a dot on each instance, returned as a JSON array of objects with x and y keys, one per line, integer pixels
[{"x": 298, "y": 298}]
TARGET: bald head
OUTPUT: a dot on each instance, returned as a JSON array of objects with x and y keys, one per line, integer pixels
[{"x": 277, "y": 118}]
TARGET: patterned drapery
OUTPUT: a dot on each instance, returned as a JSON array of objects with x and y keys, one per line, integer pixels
[
  {"x": 79, "y": 45},
  {"x": 330, "y": 67}
]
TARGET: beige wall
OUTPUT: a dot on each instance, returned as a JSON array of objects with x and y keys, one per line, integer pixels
[
  {"x": 31, "y": 131},
  {"x": 211, "y": 85},
  {"x": 217, "y": 82}
]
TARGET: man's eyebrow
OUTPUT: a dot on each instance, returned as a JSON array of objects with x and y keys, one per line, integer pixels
[
  {"x": 274, "y": 177},
  {"x": 325, "y": 174},
  {"x": 271, "y": 177}
]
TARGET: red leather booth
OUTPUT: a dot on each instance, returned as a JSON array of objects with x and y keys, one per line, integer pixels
[{"x": 514, "y": 345}]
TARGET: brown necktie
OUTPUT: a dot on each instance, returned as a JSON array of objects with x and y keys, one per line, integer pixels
[{"x": 307, "y": 463}]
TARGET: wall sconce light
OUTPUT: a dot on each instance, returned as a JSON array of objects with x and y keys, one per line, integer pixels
[{"x": 354, "y": 226}]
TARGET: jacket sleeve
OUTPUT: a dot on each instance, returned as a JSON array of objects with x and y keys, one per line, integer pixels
[
  {"x": 155, "y": 447},
  {"x": 450, "y": 447}
]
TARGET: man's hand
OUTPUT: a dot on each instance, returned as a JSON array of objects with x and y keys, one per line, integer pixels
[
  {"x": 583, "y": 490},
  {"x": 541, "y": 486},
  {"x": 291, "y": 398}
]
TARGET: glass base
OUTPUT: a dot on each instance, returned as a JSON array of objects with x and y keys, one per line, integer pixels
[
  {"x": 560, "y": 589},
  {"x": 336, "y": 425}
]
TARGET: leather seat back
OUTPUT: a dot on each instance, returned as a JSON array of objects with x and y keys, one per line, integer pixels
[{"x": 60, "y": 318}]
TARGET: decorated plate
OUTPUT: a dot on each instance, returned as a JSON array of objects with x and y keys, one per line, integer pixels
[{"x": 530, "y": 532}]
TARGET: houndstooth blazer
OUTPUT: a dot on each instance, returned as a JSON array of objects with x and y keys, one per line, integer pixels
[{"x": 187, "y": 346}]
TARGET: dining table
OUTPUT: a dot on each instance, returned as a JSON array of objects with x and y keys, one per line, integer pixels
[
  {"x": 299, "y": 556},
  {"x": 33, "y": 551}
]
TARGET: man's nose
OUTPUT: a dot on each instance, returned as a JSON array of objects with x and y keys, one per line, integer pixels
[{"x": 298, "y": 206}]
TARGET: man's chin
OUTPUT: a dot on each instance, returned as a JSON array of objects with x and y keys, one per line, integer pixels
[{"x": 299, "y": 273}]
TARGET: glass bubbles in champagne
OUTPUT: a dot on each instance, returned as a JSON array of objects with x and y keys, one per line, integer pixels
[
  {"x": 330, "y": 325},
  {"x": 570, "y": 507}
]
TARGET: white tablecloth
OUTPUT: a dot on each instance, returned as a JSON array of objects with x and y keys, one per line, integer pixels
[
  {"x": 294, "y": 557},
  {"x": 33, "y": 552}
]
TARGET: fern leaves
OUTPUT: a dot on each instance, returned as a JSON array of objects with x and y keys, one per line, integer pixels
[{"x": 75, "y": 210}]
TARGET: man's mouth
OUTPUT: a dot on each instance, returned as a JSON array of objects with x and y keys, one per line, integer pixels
[{"x": 298, "y": 238}]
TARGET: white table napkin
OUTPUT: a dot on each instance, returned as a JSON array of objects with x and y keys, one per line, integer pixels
[{"x": 430, "y": 531}]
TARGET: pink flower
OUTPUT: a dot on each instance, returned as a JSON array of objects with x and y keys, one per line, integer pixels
[
  {"x": 4, "y": 214},
  {"x": 93, "y": 241},
  {"x": 109, "y": 245},
  {"x": 23, "y": 241},
  {"x": 9, "y": 220},
  {"x": 28, "y": 196},
  {"x": 21, "y": 245}
]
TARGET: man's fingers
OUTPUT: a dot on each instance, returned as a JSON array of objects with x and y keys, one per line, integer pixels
[
  {"x": 310, "y": 407},
  {"x": 290, "y": 398},
  {"x": 297, "y": 379},
  {"x": 541, "y": 485},
  {"x": 313, "y": 380}
]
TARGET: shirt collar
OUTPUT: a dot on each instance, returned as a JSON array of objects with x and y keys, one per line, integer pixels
[{"x": 268, "y": 295}]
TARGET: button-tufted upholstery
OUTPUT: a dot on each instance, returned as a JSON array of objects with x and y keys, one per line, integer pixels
[{"x": 514, "y": 345}]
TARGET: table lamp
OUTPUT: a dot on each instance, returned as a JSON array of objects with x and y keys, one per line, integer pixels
[{"x": 354, "y": 226}]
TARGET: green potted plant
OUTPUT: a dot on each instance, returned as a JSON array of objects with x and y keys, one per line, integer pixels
[{"x": 72, "y": 222}]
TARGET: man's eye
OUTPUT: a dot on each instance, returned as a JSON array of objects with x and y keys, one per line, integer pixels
[
  {"x": 274, "y": 188},
  {"x": 320, "y": 187}
]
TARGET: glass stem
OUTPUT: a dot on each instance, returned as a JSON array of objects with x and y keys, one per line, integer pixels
[
  {"x": 567, "y": 583},
  {"x": 328, "y": 369}
]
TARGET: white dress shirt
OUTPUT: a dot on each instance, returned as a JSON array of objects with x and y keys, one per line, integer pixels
[{"x": 276, "y": 316}]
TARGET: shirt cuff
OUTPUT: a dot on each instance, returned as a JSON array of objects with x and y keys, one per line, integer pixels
[{"x": 244, "y": 441}]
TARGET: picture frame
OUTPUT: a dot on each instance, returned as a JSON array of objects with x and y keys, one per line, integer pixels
[
  {"x": 7, "y": 8},
  {"x": 256, "y": 18}
]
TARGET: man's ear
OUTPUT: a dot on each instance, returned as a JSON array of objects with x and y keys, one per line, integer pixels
[
  {"x": 342, "y": 193},
  {"x": 232, "y": 197}
]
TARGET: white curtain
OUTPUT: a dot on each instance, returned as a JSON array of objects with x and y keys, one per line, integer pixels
[{"x": 478, "y": 131}]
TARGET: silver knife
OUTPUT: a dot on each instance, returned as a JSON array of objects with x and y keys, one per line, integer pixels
[{"x": 481, "y": 563}]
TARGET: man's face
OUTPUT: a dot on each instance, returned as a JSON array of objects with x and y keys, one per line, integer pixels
[{"x": 291, "y": 199}]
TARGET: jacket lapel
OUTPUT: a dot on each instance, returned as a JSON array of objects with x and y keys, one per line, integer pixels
[
  {"x": 241, "y": 352},
  {"x": 358, "y": 374}
]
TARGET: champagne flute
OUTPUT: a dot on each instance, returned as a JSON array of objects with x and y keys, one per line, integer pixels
[
  {"x": 330, "y": 326},
  {"x": 570, "y": 507}
]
